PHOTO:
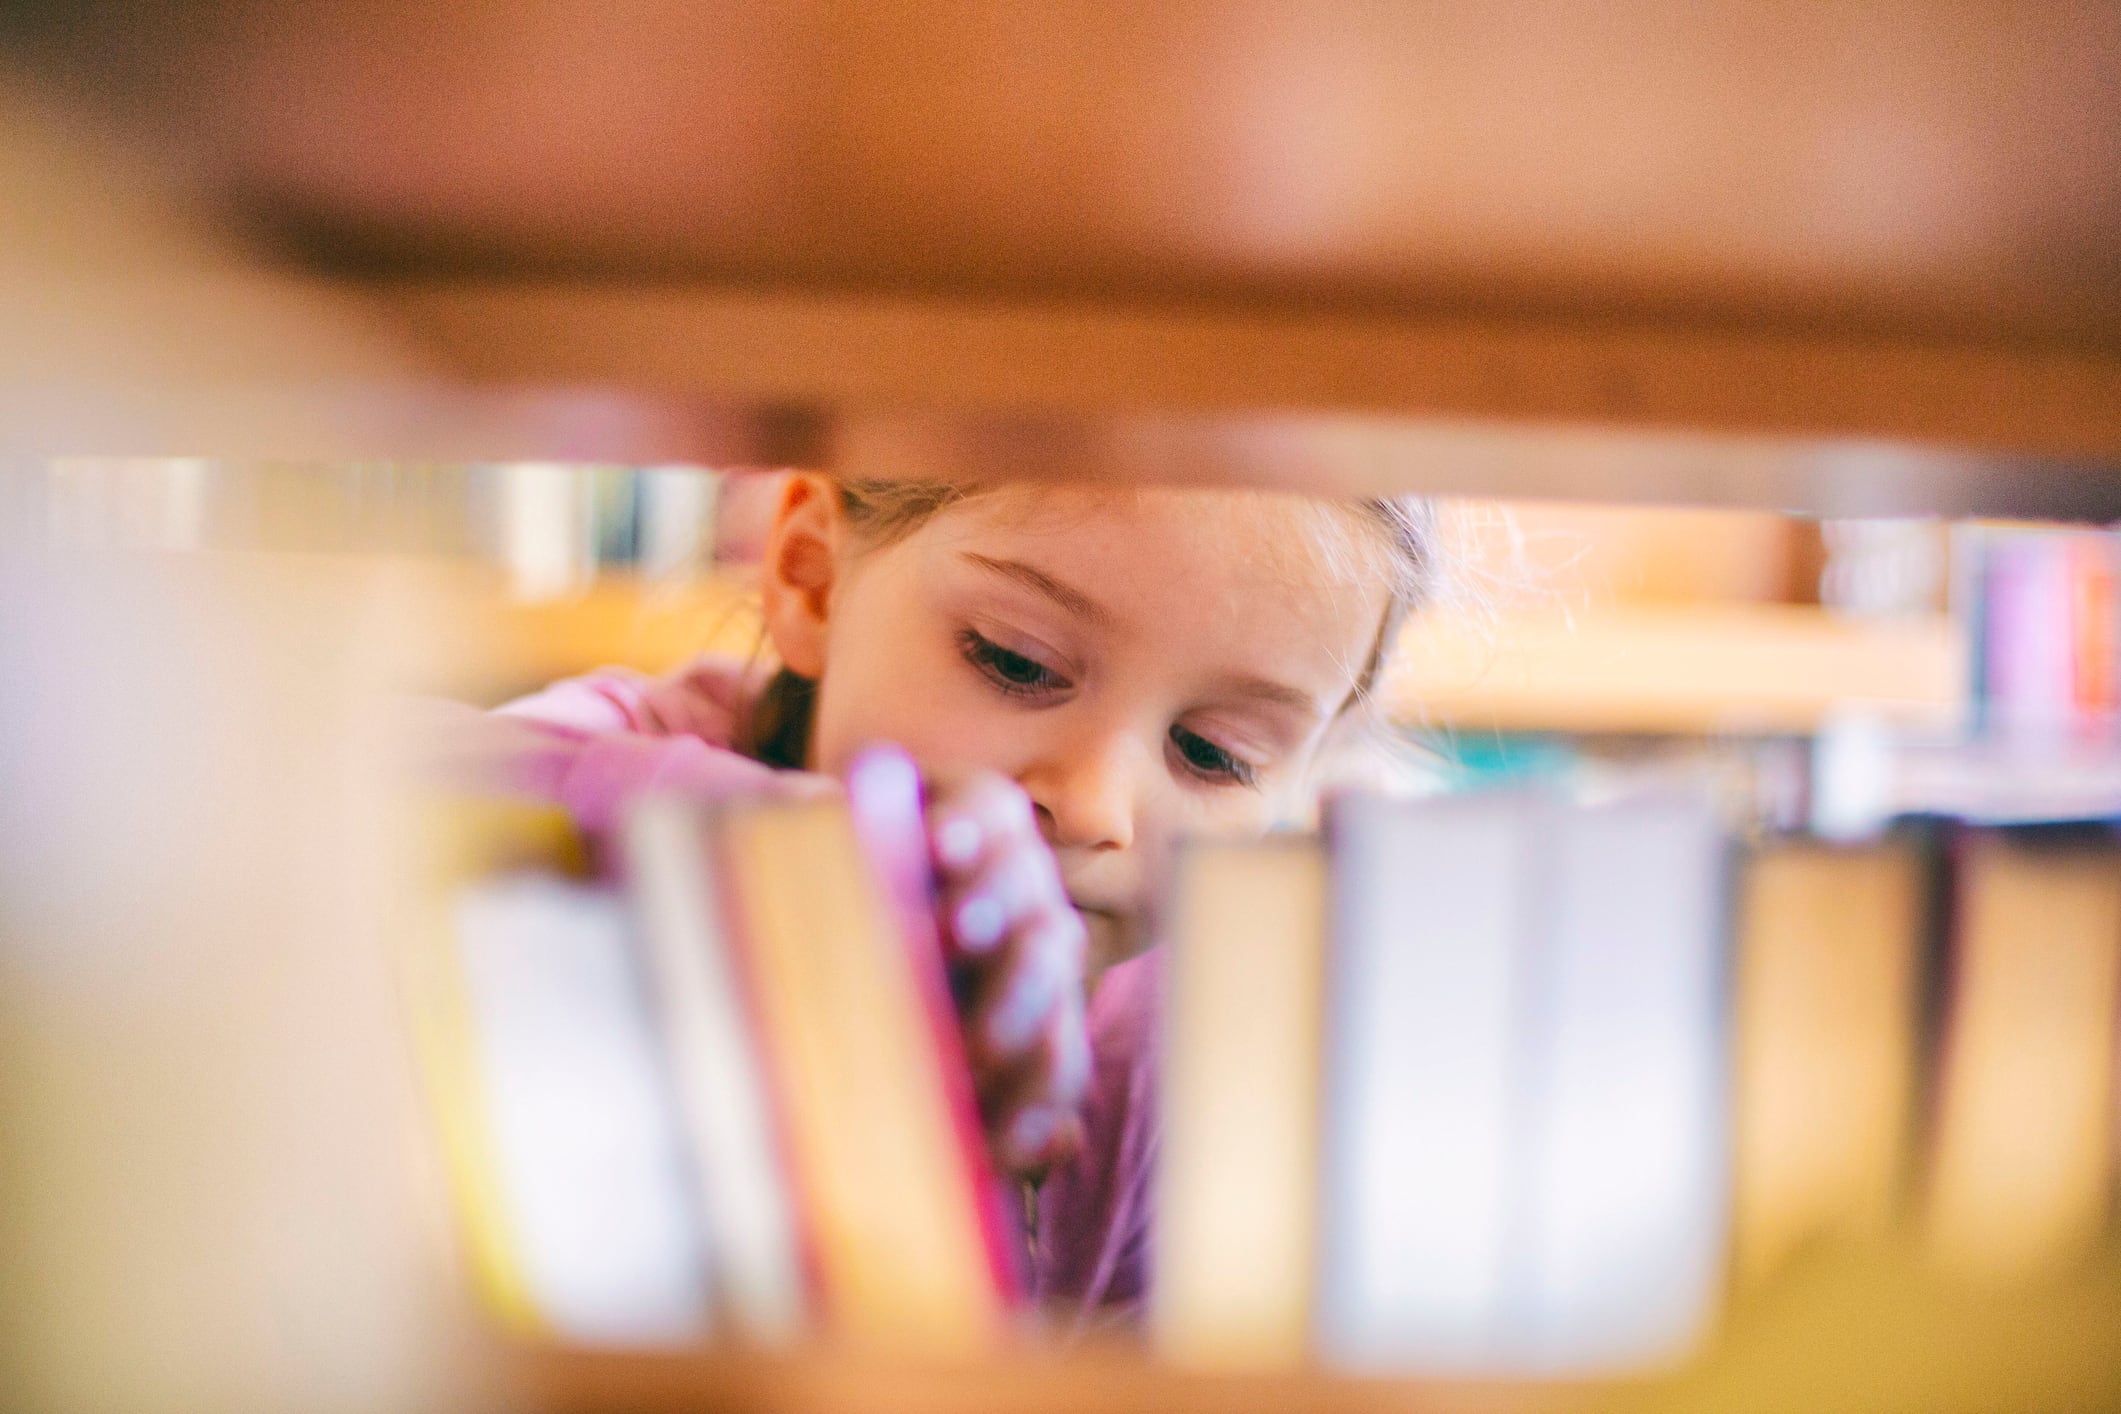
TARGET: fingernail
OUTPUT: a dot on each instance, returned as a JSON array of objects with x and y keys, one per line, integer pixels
[
  {"x": 979, "y": 923},
  {"x": 885, "y": 770},
  {"x": 1033, "y": 1131},
  {"x": 957, "y": 842}
]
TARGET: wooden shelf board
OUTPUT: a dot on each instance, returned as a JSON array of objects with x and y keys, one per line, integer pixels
[
  {"x": 1331, "y": 403},
  {"x": 1764, "y": 668},
  {"x": 1842, "y": 260},
  {"x": 849, "y": 353},
  {"x": 556, "y": 1381}
]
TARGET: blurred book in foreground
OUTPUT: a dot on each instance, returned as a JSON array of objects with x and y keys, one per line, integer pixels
[
  {"x": 1520, "y": 1160},
  {"x": 1590, "y": 1079},
  {"x": 1497, "y": 1085},
  {"x": 725, "y": 1105}
]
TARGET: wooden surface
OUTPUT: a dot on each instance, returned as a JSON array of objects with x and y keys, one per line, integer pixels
[
  {"x": 854, "y": 352},
  {"x": 1691, "y": 669},
  {"x": 1853, "y": 165},
  {"x": 485, "y": 646},
  {"x": 1854, "y": 1331},
  {"x": 1092, "y": 1382},
  {"x": 1649, "y": 250}
]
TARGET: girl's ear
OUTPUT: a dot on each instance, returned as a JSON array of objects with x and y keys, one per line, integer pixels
[{"x": 802, "y": 560}]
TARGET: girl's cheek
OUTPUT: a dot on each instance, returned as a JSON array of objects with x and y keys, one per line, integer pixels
[
  {"x": 1181, "y": 809},
  {"x": 1236, "y": 811},
  {"x": 950, "y": 723}
]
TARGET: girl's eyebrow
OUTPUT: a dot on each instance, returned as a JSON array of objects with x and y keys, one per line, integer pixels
[
  {"x": 1276, "y": 694},
  {"x": 1067, "y": 596},
  {"x": 1279, "y": 694}
]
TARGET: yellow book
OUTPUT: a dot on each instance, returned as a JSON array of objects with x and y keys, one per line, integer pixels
[
  {"x": 457, "y": 841},
  {"x": 546, "y": 1081},
  {"x": 1237, "y": 1199},
  {"x": 894, "y": 1214},
  {"x": 1824, "y": 1078},
  {"x": 2022, "y": 1159}
]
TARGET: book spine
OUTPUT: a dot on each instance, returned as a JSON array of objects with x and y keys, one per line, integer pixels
[
  {"x": 2092, "y": 617},
  {"x": 730, "y": 901},
  {"x": 884, "y": 792}
]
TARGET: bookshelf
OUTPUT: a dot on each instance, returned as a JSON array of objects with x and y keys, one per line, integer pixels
[
  {"x": 1680, "y": 669},
  {"x": 1095, "y": 360},
  {"x": 994, "y": 250},
  {"x": 1093, "y": 1381},
  {"x": 489, "y": 645},
  {"x": 1847, "y": 1335},
  {"x": 1794, "y": 264}
]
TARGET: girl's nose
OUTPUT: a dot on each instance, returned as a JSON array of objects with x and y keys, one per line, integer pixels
[{"x": 1088, "y": 798}]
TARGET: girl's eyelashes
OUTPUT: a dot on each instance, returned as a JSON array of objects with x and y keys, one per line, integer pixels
[
  {"x": 1206, "y": 761},
  {"x": 1016, "y": 674}
]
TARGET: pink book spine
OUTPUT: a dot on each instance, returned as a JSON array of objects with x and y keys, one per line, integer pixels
[
  {"x": 884, "y": 792},
  {"x": 2030, "y": 672},
  {"x": 2092, "y": 615}
]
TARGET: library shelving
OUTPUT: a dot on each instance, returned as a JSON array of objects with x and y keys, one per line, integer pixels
[{"x": 1843, "y": 260}]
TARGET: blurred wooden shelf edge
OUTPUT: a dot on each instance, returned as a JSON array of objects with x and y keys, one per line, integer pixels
[
  {"x": 1338, "y": 404},
  {"x": 869, "y": 350},
  {"x": 1692, "y": 669},
  {"x": 140, "y": 324},
  {"x": 553, "y": 1380},
  {"x": 486, "y": 645},
  {"x": 1847, "y": 1330},
  {"x": 1341, "y": 402}
]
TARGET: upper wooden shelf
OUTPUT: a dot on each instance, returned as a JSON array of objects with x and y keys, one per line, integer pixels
[
  {"x": 1371, "y": 396},
  {"x": 1874, "y": 170},
  {"x": 1840, "y": 257}
]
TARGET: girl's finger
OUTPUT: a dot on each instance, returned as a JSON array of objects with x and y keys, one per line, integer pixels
[
  {"x": 1013, "y": 890},
  {"x": 1019, "y": 995},
  {"x": 1038, "y": 1138},
  {"x": 1068, "y": 1054},
  {"x": 978, "y": 823},
  {"x": 1050, "y": 1077},
  {"x": 1045, "y": 971}
]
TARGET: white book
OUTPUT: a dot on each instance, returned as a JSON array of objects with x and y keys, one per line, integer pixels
[
  {"x": 1625, "y": 1175},
  {"x": 1237, "y": 1178},
  {"x": 1426, "y": 998},
  {"x": 590, "y": 1175},
  {"x": 548, "y": 529},
  {"x": 720, "y": 1088}
]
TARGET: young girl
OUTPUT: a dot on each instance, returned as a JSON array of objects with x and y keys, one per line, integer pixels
[{"x": 1084, "y": 676}]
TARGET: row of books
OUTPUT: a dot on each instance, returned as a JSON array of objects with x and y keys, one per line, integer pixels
[
  {"x": 1497, "y": 1083},
  {"x": 560, "y": 526},
  {"x": 551, "y": 527},
  {"x": 2043, "y": 610},
  {"x": 728, "y": 1100},
  {"x": 1505, "y": 1084}
]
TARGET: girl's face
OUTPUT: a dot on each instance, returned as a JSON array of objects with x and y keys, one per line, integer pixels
[{"x": 1144, "y": 663}]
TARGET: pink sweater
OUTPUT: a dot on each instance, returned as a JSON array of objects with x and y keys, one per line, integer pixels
[{"x": 592, "y": 743}]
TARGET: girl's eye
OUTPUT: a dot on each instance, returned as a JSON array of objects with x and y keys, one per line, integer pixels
[
  {"x": 1210, "y": 762},
  {"x": 1009, "y": 670}
]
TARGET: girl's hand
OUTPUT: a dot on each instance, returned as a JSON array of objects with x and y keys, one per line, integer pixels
[{"x": 1009, "y": 924}]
